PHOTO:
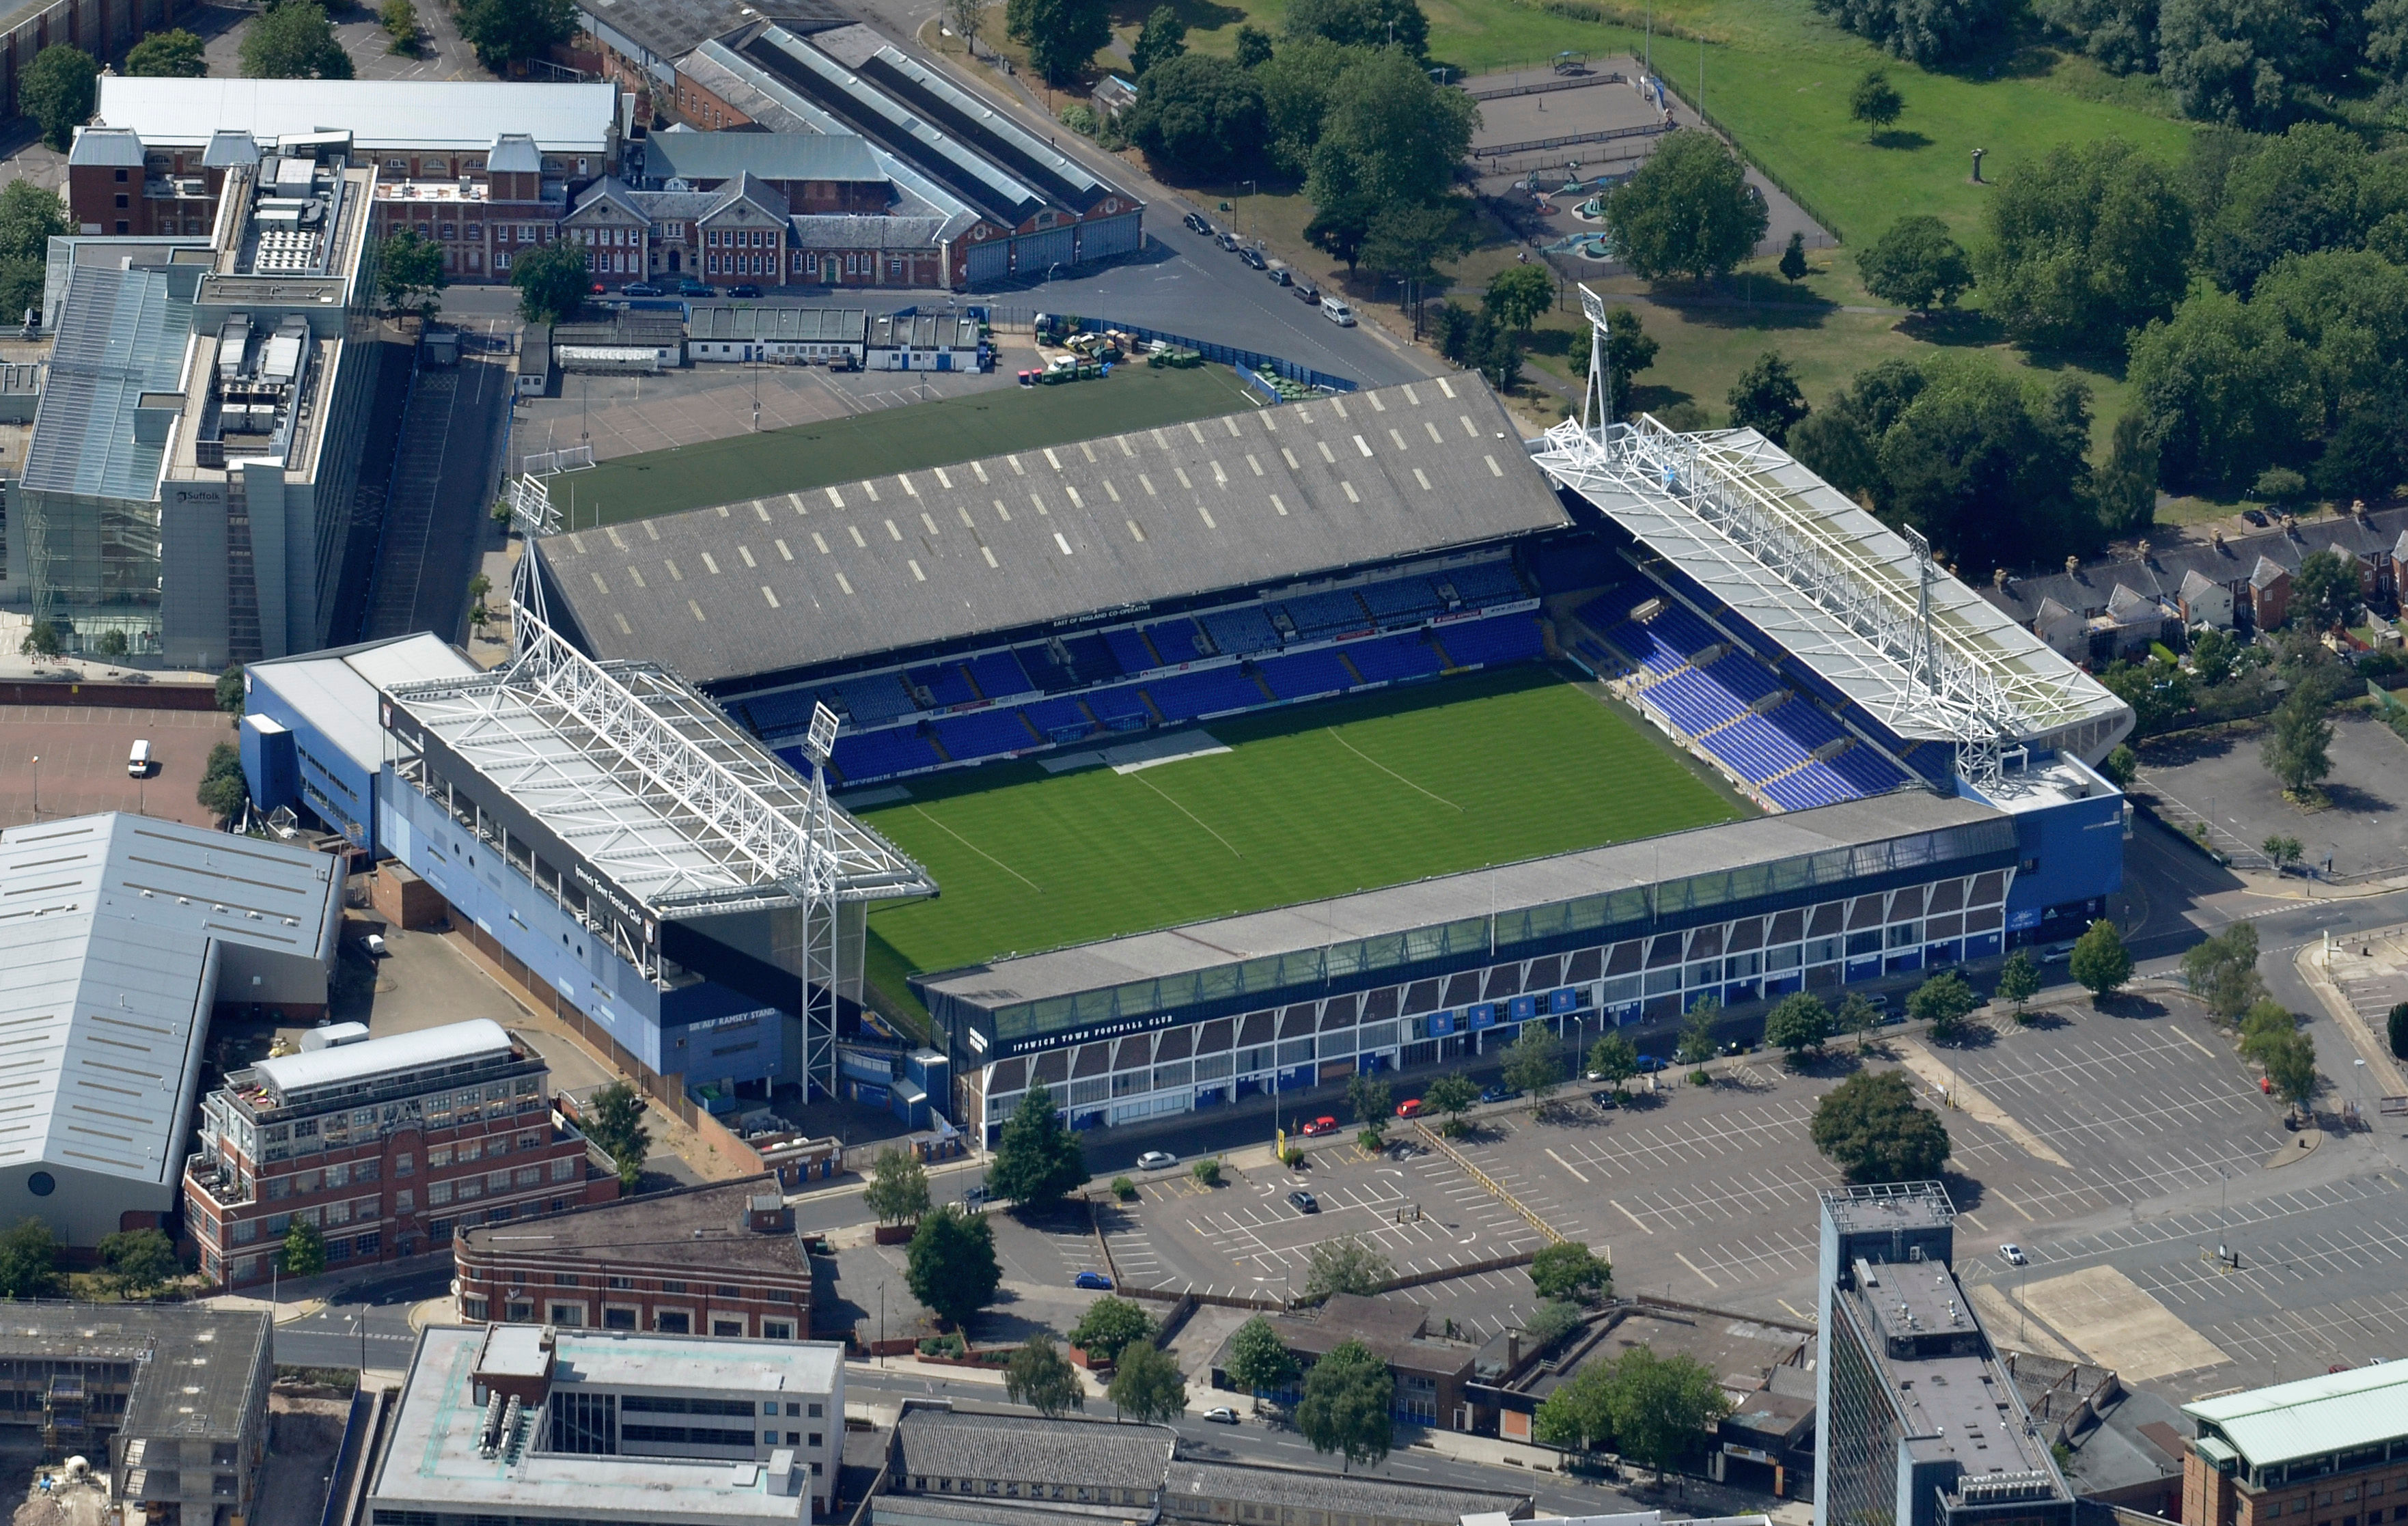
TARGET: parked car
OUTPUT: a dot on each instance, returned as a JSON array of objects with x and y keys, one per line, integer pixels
[
  {"x": 1500, "y": 1093},
  {"x": 639, "y": 289},
  {"x": 1650, "y": 1063},
  {"x": 747, "y": 289},
  {"x": 373, "y": 945},
  {"x": 1319, "y": 1126},
  {"x": 692, "y": 288},
  {"x": 1254, "y": 257},
  {"x": 2256, "y": 517},
  {"x": 1279, "y": 274},
  {"x": 1092, "y": 1282},
  {"x": 138, "y": 760},
  {"x": 1156, "y": 1159},
  {"x": 2056, "y": 952},
  {"x": 1196, "y": 224},
  {"x": 2012, "y": 1254},
  {"x": 1605, "y": 1099},
  {"x": 1222, "y": 1414},
  {"x": 1410, "y": 1107},
  {"x": 1304, "y": 1202},
  {"x": 973, "y": 1197},
  {"x": 1227, "y": 240},
  {"x": 1307, "y": 292}
]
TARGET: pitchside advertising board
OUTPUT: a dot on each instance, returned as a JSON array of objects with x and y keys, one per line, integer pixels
[{"x": 606, "y": 899}]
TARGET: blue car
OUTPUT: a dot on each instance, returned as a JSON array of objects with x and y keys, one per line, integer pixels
[
  {"x": 639, "y": 289},
  {"x": 1092, "y": 1282},
  {"x": 1499, "y": 1094},
  {"x": 1651, "y": 1063}
]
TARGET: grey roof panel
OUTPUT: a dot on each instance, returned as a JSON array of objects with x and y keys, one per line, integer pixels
[
  {"x": 667, "y": 29},
  {"x": 1252, "y": 498},
  {"x": 106, "y": 146},
  {"x": 772, "y": 156},
  {"x": 120, "y": 333}
]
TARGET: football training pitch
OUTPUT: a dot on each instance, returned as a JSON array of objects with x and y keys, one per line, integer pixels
[{"x": 1306, "y": 804}]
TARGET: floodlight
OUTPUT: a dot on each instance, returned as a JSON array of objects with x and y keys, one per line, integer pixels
[{"x": 819, "y": 741}]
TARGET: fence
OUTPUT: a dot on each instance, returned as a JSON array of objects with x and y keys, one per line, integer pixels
[
  {"x": 1496, "y": 1189},
  {"x": 352, "y": 1459},
  {"x": 568, "y": 458},
  {"x": 1543, "y": 87},
  {"x": 130, "y": 694},
  {"x": 1221, "y": 354},
  {"x": 1537, "y": 145}
]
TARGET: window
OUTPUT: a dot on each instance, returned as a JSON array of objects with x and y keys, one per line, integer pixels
[
  {"x": 405, "y": 1200},
  {"x": 726, "y": 1290},
  {"x": 769, "y": 1438},
  {"x": 618, "y": 1319},
  {"x": 437, "y": 1193},
  {"x": 815, "y": 1412},
  {"x": 372, "y": 1243},
  {"x": 668, "y": 1287},
  {"x": 815, "y": 1440},
  {"x": 564, "y": 1169},
  {"x": 402, "y": 1165},
  {"x": 438, "y": 1157},
  {"x": 671, "y": 1323},
  {"x": 568, "y": 1314},
  {"x": 563, "y": 1279},
  {"x": 529, "y": 1176},
  {"x": 727, "y": 1327},
  {"x": 620, "y": 1284}
]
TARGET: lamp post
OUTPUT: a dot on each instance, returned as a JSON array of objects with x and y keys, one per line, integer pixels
[{"x": 38, "y": 785}]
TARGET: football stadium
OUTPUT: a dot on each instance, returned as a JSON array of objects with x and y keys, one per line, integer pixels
[{"x": 1352, "y": 733}]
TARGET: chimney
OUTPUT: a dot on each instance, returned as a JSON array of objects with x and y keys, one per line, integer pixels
[{"x": 1512, "y": 1349}]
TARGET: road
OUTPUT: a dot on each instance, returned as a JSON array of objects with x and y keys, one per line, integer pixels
[{"x": 370, "y": 1322}]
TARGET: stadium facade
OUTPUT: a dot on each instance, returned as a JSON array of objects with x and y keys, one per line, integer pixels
[{"x": 1925, "y": 764}]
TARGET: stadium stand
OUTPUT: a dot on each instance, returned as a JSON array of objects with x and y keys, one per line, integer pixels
[
  {"x": 1059, "y": 719},
  {"x": 1091, "y": 660},
  {"x": 1241, "y": 632},
  {"x": 945, "y": 682},
  {"x": 1184, "y": 696},
  {"x": 865, "y": 757},
  {"x": 998, "y": 674},
  {"x": 1313, "y": 615},
  {"x": 1404, "y": 600},
  {"x": 1486, "y": 583},
  {"x": 772, "y": 715},
  {"x": 1486, "y": 643},
  {"x": 1392, "y": 659},
  {"x": 1120, "y": 709},
  {"x": 984, "y": 734},
  {"x": 1320, "y": 672},
  {"x": 869, "y": 701},
  {"x": 1129, "y": 649},
  {"x": 1177, "y": 640}
]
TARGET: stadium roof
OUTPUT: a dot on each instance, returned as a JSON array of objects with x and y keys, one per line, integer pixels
[
  {"x": 1849, "y": 829},
  {"x": 338, "y": 688},
  {"x": 432, "y": 115},
  {"x": 1799, "y": 560},
  {"x": 899, "y": 562}
]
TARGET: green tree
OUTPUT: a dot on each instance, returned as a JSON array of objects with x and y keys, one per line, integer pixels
[
  {"x": 304, "y": 1252},
  {"x": 1298, "y": 83},
  {"x": 2122, "y": 765},
  {"x": 41, "y": 640},
  {"x": 2224, "y": 389},
  {"x": 2101, "y": 964},
  {"x": 2298, "y": 748},
  {"x": 2214, "y": 656},
  {"x": 1407, "y": 239},
  {"x": 1389, "y": 139},
  {"x": 29, "y": 1261},
  {"x": 1200, "y": 111},
  {"x": 1663, "y": 1407},
  {"x": 2395, "y": 1030},
  {"x": 1162, "y": 39},
  {"x": 1629, "y": 350},
  {"x": 2325, "y": 591},
  {"x": 1038, "y": 1161},
  {"x": 1147, "y": 1386},
  {"x": 1042, "y": 1378},
  {"x": 2291, "y": 1064},
  {"x": 2281, "y": 851},
  {"x": 1254, "y": 49},
  {"x": 410, "y": 275},
  {"x": 1923, "y": 32},
  {"x": 2222, "y": 971},
  {"x": 1347, "y": 1265},
  {"x": 1534, "y": 1062},
  {"x": 1614, "y": 1060},
  {"x": 2126, "y": 488},
  {"x": 1451, "y": 1097},
  {"x": 1109, "y": 1327},
  {"x": 1697, "y": 1044},
  {"x": 1875, "y": 102},
  {"x": 1362, "y": 24},
  {"x": 223, "y": 790},
  {"x": 2121, "y": 35},
  {"x": 1800, "y": 1023},
  {"x": 1372, "y": 1099},
  {"x": 1571, "y": 1270},
  {"x": 1857, "y": 1018},
  {"x": 1917, "y": 264},
  {"x": 968, "y": 19},
  {"x": 1869, "y": 1127},
  {"x": 138, "y": 1261},
  {"x": 617, "y": 1124},
  {"x": 553, "y": 279},
  {"x": 1260, "y": 1361},
  {"x": 172, "y": 54},
  {"x": 2267, "y": 1023},
  {"x": 898, "y": 1187},
  {"x": 2089, "y": 241},
  {"x": 1550, "y": 1323},
  {"x": 2367, "y": 457},
  {"x": 2020, "y": 982},
  {"x": 1793, "y": 256},
  {"x": 2239, "y": 62},
  {"x": 2158, "y": 692},
  {"x": 400, "y": 19},
  {"x": 950, "y": 1266},
  {"x": 1766, "y": 397},
  {"x": 507, "y": 32},
  {"x": 1345, "y": 1407},
  {"x": 1687, "y": 211},
  {"x": 31, "y": 215},
  {"x": 1943, "y": 1002},
  {"x": 231, "y": 687},
  {"x": 58, "y": 90},
  {"x": 1517, "y": 294},
  {"x": 1579, "y": 1413},
  {"x": 1061, "y": 36},
  {"x": 293, "y": 41}
]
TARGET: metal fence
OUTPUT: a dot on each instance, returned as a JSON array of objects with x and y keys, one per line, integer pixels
[{"x": 1230, "y": 355}]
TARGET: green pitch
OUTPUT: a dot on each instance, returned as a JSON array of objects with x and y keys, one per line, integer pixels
[
  {"x": 902, "y": 439},
  {"x": 1309, "y": 804}
]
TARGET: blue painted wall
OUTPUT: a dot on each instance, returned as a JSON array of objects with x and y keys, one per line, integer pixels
[
  {"x": 331, "y": 787},
  {"x": 269, "y": 763}
]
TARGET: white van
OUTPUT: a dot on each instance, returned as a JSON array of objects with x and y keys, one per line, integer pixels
[
  {"x": 1337, "y": 312},
  {"x": 137, "y": 763}
]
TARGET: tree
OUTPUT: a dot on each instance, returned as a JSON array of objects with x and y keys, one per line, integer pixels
[
  {"x": 1042, "y": 1378},
  {"x": 1389, "y": 139},
  {"x": 1917, "y": 264},
  {"x": 1345, "y": 1405},
  {"x": 138, "y": 1261},
  {"x": 1579, "y": 1413},
  {"x": 1766, "y": 398},
  {"x": 1347, "y": 1265},
  {"x": 2266, "y": 1024},
  {"x": 1923, "y": 32},
  {"x": 2157, "y": 691},
  {"x": 29, "y": 1261},
  {"x": 617, "y": 1124},
  {"x": 2121, "y": 35},
  {"x": 231, "y": 689},
  {"x": 507, "y": 32},
  {"x": 2298, "y": 749},
  {"x": 1534, "y": 1062},
  {"x": 31, "y": 215},
  {"x": 2290, "y": 1064},
  {"x": 304, "y": 1252},
  {"x": 1990, "y": 467},
  {"x": 553, "y": 279},
  {"x": 173, "y": 55},
  {"x": 1109, "y": 1327},
  {"x": 1298, "y": 83},
  {"x": 2125, "y": 489},
  {"x": 2101, "y": 964},
  {"x": 223, "y": 790},
  {"x": 2324, "y": 589},
  {"x": 969, "y": 18},
  {"x": 1663, "y": 1407},
  {"x": 1519, "y": 293},
  {"x": 1687, "y": 211},
  {"x": 1550, "y": 1323},
  {"x": 58, "y": 90},
  {"x": 1200, "y": 111},
  {"x": 2222, "y": 971},
  {"x": 2213, "y": 657},
  {"x": 2396, "y": 1029},
  {"x": 1162, "y": 39},
  {"x": 410, "y": 273},
  {"x": 1798, "y": 1024},
  {"x": 400, "y": 19},
  {"x": 2122, "y": 765},
  {"x": 2226, "y": 391},
  {"x": 1943, "y": 1001},
  {"x": 2281, "y": 851},
  {"x": 898, "y": 1187},
  {"x": 1406, "y": 240},
  {"x": 1697, "y": 1044},
  {"x": 1372, "y": 1099},
  {"x": 1148, "y": 1387},
  {"x": 2239, "y": 61},
  {"x": 1857, "y": 1018},
  {"x": 2367, "y": 457},
  {"x": 2019, "y": 981},
  {"x": 1869, "y": 1127},
  {"x": 1038, "y": 1161},
  {"x": 1614, "y": 1060},
  {"x": 113, "y": 644},
  {"x": 1362, "y": 24},
  {"x": 1793, "y": 256},
  {"x": 1259, "y": 1361},
  {"x": 1571, "y": 1270},
  {"x": 2092, "y": 240},
  {"x": 1875, "y": 102},
  {"x": 950, "y": 1265},
  {"x": 1254, "y": 49},
  {"x": 41, "y": 640},
  {"x": 1451, "y": 1097},
  {"x": 1061, "y": 36},
  {"x": 293, "y": 41}
]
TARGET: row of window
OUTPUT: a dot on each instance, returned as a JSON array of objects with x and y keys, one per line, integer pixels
[{"x": 617, "y": 1317}]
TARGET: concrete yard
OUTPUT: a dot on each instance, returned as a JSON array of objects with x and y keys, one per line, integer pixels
[
  {"x": 82, "y": 750},
  {"x": 2362, "y": 827}
]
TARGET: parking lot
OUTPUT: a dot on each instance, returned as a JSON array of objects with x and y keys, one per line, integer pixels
[
  {"x": 81, "y": 752},
  {"x": 2220, "y": 776}
]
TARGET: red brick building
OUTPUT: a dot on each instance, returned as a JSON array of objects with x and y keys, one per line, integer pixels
[{"x": 386, "y": 1145}]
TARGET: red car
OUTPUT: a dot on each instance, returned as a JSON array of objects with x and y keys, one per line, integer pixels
[
  {"x": 1320, "y": 1125},
  {"x": 1410, "y": 1107}
]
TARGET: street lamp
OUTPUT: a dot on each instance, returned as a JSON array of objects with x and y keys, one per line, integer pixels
[
  {"x": 1254, "y": 186},
  {"x": 38, "y": 785}
]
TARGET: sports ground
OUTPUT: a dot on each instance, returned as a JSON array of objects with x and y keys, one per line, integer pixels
[
  {"x": 1307, "y": 803},
  {"x": 902, "y": 439}
]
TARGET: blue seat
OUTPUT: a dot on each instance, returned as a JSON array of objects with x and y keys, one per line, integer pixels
[
  {"x": 1391, "y": 658},
  {"x": 1506, "y": 638},
  {"x": 1176, "y": 640},
  {"x": 945, "y": 682},
  {"x": 1058, "y": 719},
  {"x": 862, "y": 757},
  {"x": 1091, "y": 660},
  {"x": 1241, "y": 632},
  {"x": 868, "y": 702},
  {"x": 1326, "y": 614},
  {"x": 998, "y": 674},
  {"x": 1307, "y": 673},
  {"x": 1130, "y": 651},
  {"x": 983, "y": 733},
  {"x": 1120, "y": 709},
  {"x": 1043, "y": 672},
  {"x": 1404, "y": 600},
  {"x": 1485, "y": 582},
  {"x": 789, "y": 710},
  {"x": 1184, "y": 696}
]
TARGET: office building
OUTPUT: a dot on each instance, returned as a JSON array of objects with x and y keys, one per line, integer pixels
[
  {"x": 1918, "y": 1422},
  {"x": 386, "y": 1144},
  {"x": 2330, "y": 1450}
]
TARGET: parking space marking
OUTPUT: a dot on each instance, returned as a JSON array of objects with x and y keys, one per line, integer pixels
[
  {"x": 1633, "y": 1218},
  {"x": 1693, "y": 1266},
  {"x": 1568, "y": 1166}
]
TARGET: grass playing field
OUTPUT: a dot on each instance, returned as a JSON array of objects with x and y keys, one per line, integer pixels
[
  {"x": 1309, "y": 804},
  {"x": 985, "y": 424}
]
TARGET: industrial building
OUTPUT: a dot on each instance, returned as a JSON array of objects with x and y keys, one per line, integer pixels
[
  {"x": 309, "y": 735},
  {"x": 385, "y": 1145},
  {"x": 173, "y": 1396},
  {"x": 536, "y": 1423},
  {"x": 1918, "y": 1422},
  {"x": 124, "y": 934},
  {"x": 2330, "y": 1448}
]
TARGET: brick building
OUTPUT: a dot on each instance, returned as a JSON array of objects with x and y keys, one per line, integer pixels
[
  {"x": 2323, "y": 1451},
  {"x": 718, "y": 1259},
  {"x": 386, "y": 1144}
]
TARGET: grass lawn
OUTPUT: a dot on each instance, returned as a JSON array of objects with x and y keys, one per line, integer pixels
[
  {"x": 903, "y": 439},
  {"x": 1491, "y": 768}
]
